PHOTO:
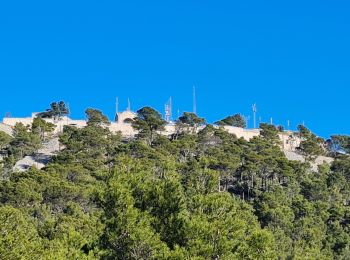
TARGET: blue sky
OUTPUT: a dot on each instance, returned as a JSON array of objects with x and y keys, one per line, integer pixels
[{"x": 290, "y": 57}]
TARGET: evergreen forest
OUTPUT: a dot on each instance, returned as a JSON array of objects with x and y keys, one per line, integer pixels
[{"x": 200, "y": 193}]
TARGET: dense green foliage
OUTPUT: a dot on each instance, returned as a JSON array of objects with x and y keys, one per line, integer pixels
[
  {"x": 205, "y": 195},
  {"x": 56, "y": 111},
  {"x": 340, "y": 142},
  {"x": 311, "y": 145},
  {"x": 236, "y": 120}
]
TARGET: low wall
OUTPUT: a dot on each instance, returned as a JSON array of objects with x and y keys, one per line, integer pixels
[
  {"x": 247, "y": 134},
  {"x": 126, "y": 129},
  {"x": 13, "y": 121},
  {"x": 9, "y": 121},
  {"x": 289, "y": 141}
]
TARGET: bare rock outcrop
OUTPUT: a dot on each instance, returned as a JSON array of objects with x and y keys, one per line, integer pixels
[{"x": 40, "y": 158}]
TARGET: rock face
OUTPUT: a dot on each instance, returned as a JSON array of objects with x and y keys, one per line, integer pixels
[
  {"x": 293, "y": 156},
  {"x": 40, "y": 158},
  {"x": 6, "y": 128}
]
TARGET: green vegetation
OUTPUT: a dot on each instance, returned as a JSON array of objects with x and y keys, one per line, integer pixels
[
  {"x": 56, "y": 111},
  {"x": 236, "y": 120},
  {"x": 194, "y": 195},
  {"x": 340, "y": 142},
  {"x": 42, "y": 128},
  {"x": 311, "y": 145}
]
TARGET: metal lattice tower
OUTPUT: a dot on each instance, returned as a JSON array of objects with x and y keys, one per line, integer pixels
[{"x": 168, "y": 110}]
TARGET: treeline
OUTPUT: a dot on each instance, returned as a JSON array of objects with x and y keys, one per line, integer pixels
[{"x": 193, "y": 195}]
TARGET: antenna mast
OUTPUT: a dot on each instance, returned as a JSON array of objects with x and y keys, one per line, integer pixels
[
  {"x": 116, "y": 105},
  {"x": 168, "y": 110},
  {"x": 194, "y": 100},
  {"x": 129, "y": 105},
  {"x": 254, "y": 114}
]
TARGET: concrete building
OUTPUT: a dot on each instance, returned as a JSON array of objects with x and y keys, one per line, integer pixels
[{"x": 124, "y": 117}]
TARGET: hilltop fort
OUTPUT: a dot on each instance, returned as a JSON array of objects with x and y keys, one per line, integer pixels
[{"x": 122, "y": 124}]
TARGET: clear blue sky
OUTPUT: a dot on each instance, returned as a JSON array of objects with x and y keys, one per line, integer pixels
[{"x": 290, "y": 57}]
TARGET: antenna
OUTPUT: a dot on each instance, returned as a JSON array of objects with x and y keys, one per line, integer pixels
[
  {"x": 171, "y": 107},
  {"x": 116, "y": 105},
  {"x": 254, "y": 113},
  {"x": 129, "y": 105},
  {"x": 288, "y": 124},
  {"x": 168, "y": 110},
  {"x": 271, "y": 121},
  {"x": 194, "y": 100}
]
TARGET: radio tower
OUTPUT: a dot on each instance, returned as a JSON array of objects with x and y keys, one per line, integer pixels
[
  {"x": 168, "y": 110},
  {"x": 254, "y": 114},
  {"x": 129, "y": 105},
  {"x": 194, "y": 100}
]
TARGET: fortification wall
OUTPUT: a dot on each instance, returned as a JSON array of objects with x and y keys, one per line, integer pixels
[
  {"x": 289, "y": 140},
  {"x": 126, "y": 129},
  {"x": 11, "y": 122},
  {"x": 247, "y": 134}
]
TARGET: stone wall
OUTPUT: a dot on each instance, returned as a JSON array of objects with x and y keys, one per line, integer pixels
[
  {"x": 289, "y": 140},
  {"x": 247, "y": 134},
  {"x": 9, "y": 121}
]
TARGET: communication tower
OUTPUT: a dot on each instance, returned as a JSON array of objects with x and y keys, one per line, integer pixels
[
  {"x": 129, "y": 105},
  {"x": 254, "y": 114},
  {"x": 194, "y": 100},
  {"x": 168, "y": 110}
]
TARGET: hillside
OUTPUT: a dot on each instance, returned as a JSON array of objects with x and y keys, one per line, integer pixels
[{"x": 200, "y": 192}]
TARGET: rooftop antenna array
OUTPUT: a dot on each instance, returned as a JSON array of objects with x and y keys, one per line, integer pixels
[
  {"x": 168, "y": 110},
  {"x": 194, "y": 100},
  {"x": 254, "y": 114}
]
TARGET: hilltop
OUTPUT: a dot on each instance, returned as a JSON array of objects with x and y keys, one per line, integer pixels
[
  {"x": 289, "y": 140},
  {"x": 145, "y": 188}
]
